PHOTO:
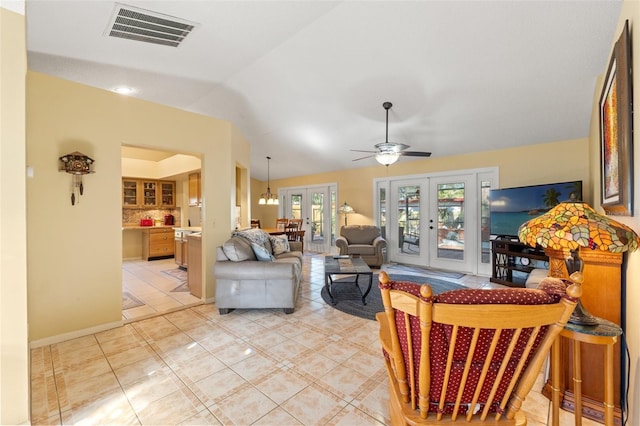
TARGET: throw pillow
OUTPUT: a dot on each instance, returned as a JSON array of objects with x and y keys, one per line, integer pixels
[
  {"x": 261, "y": 253},
  {"x": 238, "y": 249},
  {"x": 279, "y": 244}
]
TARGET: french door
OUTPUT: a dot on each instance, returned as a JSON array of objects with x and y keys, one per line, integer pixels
[
  {"x": 316, "y": 206},
  {"x": 437, "y": 221}
]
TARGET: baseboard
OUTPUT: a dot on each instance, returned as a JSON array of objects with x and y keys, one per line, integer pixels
[{"x": 74, "y": 334}]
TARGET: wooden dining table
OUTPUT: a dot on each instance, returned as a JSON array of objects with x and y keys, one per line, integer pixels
[{"x": 274, "y": 231}]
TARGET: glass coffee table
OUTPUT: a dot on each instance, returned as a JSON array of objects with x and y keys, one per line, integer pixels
[{"x": 345, "y": 265}]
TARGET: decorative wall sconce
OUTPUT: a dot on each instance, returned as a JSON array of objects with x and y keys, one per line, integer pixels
[{"x": 76, "y": 164}]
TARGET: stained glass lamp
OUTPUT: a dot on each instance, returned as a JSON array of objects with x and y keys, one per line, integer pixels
[
  {"x": 568, "y": 227},
  {"x": 346, "y": 209}
]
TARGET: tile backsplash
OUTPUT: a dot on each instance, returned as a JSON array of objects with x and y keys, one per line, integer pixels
[{"x": 133, "y": 216}]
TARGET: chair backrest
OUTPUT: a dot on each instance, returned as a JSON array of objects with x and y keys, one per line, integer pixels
[
  {"x": 295, "y": 223},
  {"x": 467, "y": 352},
  {"x": 281, "y": 223},
  {"x": 255, "y": 223}
]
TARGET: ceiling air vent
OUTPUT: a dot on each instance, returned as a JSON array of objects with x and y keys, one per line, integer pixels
[{"x": 151, "y": 27}]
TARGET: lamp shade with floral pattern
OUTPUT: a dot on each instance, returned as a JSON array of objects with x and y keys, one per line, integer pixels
[{"x": 574, "y": 224}]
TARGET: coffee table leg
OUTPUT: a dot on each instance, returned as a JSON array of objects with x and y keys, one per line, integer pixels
[
  {"x": 327, "y": 283},
  {"x": 364, "y": 296}
]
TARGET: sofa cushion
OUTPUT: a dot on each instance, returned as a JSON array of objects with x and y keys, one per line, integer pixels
[
  {"x": 261, "y": 253},
  {"x": 362, "y": 249},
  {"x": 279, "y": 244},
  {"x": 360, "y": 234},
  {"x": 238, "y": 249}
]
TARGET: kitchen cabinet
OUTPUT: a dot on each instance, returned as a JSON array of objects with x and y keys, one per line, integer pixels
[
  {"x": 194, "y": 273},
  {"x": 147, "y": 193},
  {"x": 130, "y": 193},
  {"x": 167, "y": 190},
  {"x": 157, "y": 243},
  {"x": 195, "y": 190},
  {"x": 181, "y": 254}
]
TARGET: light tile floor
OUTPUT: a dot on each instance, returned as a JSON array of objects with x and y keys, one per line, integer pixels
[
  {"x": 316, "y": 366},
  {"x": 147, "y": 282}
]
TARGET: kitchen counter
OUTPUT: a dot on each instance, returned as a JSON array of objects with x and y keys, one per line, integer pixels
[
  {"x": 188, "y": 228},
  {"x": 128, "y": 226}
]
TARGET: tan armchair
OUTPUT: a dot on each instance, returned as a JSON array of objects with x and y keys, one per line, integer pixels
[{"x": 364, "y": 241}]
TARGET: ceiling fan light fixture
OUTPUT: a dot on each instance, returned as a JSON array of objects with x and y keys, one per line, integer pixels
[{"x": 387, "y": 158}]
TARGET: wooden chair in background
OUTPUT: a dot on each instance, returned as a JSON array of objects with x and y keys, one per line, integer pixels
[
  {"x": 281, "y": 223},
  {"x": 296, "y": 222},
  {"x": 467, "y": 354},
  {"x": 296, "y": 235},
  {"x": 255, "y": 223}
]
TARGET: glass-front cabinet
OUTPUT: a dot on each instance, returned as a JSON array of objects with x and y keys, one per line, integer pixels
[
  {"x": 150, "y": 194},
  {"x": 146, "y": 193},
  {"x": 167, "y": 194},
  {"x": 130, "y": 193}
]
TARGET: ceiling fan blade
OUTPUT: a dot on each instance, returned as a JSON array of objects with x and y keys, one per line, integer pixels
[
  {"x": 362, "y": 158},
  {"x": 415, "y": 153},
  {"x": 361, "y": 150}
]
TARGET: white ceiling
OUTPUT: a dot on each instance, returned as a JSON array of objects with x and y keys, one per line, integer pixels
[{"x": 304, "y": 81}]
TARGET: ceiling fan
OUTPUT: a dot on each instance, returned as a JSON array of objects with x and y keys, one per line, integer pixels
[{"x": 386, "y": 152}]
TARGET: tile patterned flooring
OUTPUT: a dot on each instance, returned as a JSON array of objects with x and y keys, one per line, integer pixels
[{"x": 191, "y": 366}]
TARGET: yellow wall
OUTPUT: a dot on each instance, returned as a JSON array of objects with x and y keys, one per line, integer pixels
[
  {"x": 528, "y": 165},
  {"x": 630, "y": 11},
  {"x": 14, "y": 354},
  {"x": 75, "y": 252}
]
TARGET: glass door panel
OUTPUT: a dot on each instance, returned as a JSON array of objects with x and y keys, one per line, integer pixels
[
  {"x": 448, "y": 223},
  {"x": 314, "y": 206},
  {"x": 404, "y": 221}
]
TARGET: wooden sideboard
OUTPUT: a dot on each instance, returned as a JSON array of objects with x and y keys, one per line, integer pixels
[{"x": 602, "y": 297}]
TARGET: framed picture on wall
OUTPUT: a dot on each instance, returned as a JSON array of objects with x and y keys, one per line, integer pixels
[{"x": 616, "y": 137}]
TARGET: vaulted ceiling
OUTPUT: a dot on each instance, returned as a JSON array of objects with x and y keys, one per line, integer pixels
[{"x": 304, "y": 81}]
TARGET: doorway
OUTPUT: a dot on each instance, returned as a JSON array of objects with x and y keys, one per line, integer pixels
[
  {"x": 157, "y": 286},
  {"x": 438, "y": 220},
  {"x": 316, "y": 206}
]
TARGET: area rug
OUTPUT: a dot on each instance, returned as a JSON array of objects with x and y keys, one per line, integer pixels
[
  {"x": 180, "y": 275},
  {"x": 349, "y": 300},
  {"x": 429, "y": 272},
  {"x": 129, "y": 301}
]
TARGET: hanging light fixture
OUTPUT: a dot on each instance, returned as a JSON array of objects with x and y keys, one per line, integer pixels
[
  {"x": 267, "y": 198},
  {"x": 386, "y": 158}
]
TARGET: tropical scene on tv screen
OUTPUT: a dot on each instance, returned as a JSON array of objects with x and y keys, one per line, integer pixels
[{"x": 510, "y": 207}]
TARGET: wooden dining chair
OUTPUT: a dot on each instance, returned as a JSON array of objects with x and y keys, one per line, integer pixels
[
  {"x": 255, "y": 223},
  {"x": 297, "y": 223},
  {"x": 296, "y": 235},
  {"x": 468, "y": 355},
  {"x": 281, "y": 223}
]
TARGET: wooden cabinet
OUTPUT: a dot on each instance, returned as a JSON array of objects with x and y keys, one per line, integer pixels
[
  {"x": 167, "y": 190},
  {"x": 195, "y": 197},
  {"x": 130, "y": 193},
  {"x": 194, "y": 273},
  {"x": 512, "y": 262},
  {"x": 157, "y": 243},
  {"x": 602, "y": 296},
  {"x": 147, "y": 193},
  {"x": 181, "y": 254}
]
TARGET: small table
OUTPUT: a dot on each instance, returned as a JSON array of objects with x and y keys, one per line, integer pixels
[
  {"x": 605, "y": 333},
  {"x": 345, "y": 265}
]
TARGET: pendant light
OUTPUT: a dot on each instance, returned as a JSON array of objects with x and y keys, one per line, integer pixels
[{"x": 267, "y": 198}]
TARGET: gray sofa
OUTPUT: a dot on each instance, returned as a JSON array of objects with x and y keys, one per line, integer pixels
[
  {"x": 364, "y": 241},
  {"x": 244, "y": 282}
]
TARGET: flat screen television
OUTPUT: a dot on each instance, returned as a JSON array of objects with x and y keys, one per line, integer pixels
[{"x": 511, "y": 207}]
